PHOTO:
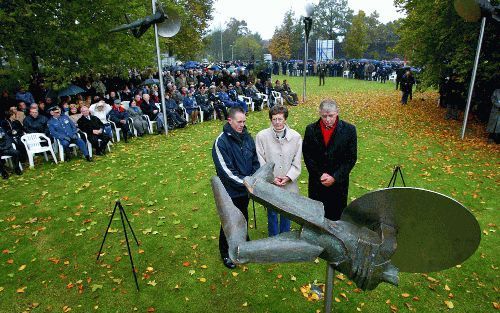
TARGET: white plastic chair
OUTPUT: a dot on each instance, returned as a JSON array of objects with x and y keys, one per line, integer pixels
[
  {"x": 73, "y": 145},
  {"x": 32, "y": 142},
  {"x": 393, "y": 76},
  {"x": 277, "y": 96},
  {"x": 150, "y": 123},
  {"x": 116, "y": 130},
  {"x": 8, "y": 159},
  {"x": 345, "y": 74},
  {"x": 248, "y": 101},
  {"x": 265, "y": 99},
  {"x": 187, "y": 116}
]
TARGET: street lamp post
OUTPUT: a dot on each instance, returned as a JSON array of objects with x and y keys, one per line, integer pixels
[
  {"x": 307, "y": 29},
  {"x": 232, "y": 53}
]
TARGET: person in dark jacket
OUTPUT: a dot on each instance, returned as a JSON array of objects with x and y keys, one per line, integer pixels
[
  {"x": 6, "y": 149},
  {"x": 35, "y": 122},
  {"x": 235, "y": 157},
  {"x": 330, "y": 152},
  {"x": 94, "y": 128},
  {"x": 406, "y": 85}
]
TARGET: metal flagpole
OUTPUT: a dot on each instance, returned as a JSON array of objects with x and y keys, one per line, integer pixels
[
  {"x": 160, "y": 73},
  {"x": 305, "y": 69},
  {"x": 473, "y": 78}
]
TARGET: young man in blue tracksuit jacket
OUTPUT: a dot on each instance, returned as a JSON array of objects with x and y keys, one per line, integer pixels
[{"x": 235, "y": 157}]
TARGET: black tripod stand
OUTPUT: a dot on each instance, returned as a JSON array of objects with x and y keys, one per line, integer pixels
[
  {"x": 397, "y": 170},
  {"x": 123, "y": 216}
]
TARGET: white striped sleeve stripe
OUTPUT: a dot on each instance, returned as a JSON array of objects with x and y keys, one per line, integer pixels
[{"x": 223, "y": 163}]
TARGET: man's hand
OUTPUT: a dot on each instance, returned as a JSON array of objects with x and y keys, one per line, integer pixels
[
  {"x": 155, "y": 111},
  {"x": 123, "y": 121},
  {"x": 96, "y": 131},
  {"x": 327, "y": 180}
]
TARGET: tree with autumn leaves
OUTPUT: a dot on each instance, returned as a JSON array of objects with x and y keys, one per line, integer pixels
[
  {"x": 287, "y": 39},
  {"x": 434, "y": 37}
]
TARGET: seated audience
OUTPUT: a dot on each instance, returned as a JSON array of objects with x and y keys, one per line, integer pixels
[
  {"x": 6, "y": 149},
  {"x": 137, "y": 116},
  {"x": 101, "y": 110},
  {"x": 62, "y": 128},
  {"x": 191, "y": 107},
  {"x": 119, "y": 116},
  {"x": 94, "y": 128}
]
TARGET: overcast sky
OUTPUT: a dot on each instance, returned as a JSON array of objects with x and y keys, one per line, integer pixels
[{"x": 263, "y": 16}]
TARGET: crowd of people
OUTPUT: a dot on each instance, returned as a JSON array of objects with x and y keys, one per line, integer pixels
[{"x": 108, "y": 107}]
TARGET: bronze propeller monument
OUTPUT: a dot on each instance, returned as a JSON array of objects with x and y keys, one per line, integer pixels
[{"x": 379, "y": 234}]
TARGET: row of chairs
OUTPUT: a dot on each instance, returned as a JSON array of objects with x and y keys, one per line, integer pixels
[{"x": 36, "y": 143}]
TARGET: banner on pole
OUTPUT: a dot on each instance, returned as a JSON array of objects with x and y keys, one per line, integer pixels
[{"x": 324, "y": 50}]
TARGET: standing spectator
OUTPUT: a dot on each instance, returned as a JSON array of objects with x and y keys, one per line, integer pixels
[
  {"x": 62, "y": 128},
  {"x": 282, "y": 146},
  {"x": 94, "y": 128},
  {"x": 24, "y": 96},
  {"x": 321, "y": 73},
  {"x": 493, "y": 127},
  {"x": 235, "y": 157},
  {"x": 406, "y": 85},
  {"x": 330, "y": 152},
  {"x": 6, "y": 102}
]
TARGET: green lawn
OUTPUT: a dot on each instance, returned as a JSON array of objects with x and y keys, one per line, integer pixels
[{"x": 52, "y": 218}]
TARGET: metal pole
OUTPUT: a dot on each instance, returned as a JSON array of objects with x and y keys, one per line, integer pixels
[
  {"x": 305, "y": 65},
  {"x": 160, "y": 74},
  {"x": 221, "y": 49},
  {"x": 330, "y": 271},
  {"x": 473, "y": 78},
  {"x": 232, "y": 53}
]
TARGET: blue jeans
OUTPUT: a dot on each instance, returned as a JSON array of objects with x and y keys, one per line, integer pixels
[{"x": 272, "y": 223}]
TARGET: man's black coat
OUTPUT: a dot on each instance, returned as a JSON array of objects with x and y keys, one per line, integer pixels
[
  {"x": 87, "y": 126},
  {"x": 337, "y": 159}
]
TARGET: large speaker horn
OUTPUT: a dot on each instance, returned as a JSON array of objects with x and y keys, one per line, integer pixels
[{"x": 171, "y": 25}]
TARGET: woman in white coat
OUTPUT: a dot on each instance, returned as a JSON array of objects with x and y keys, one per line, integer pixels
[{"x": 282, "y": 146}]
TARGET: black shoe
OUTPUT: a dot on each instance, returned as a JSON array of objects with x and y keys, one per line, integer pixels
[
  {"x": 88, "y": 158},
  {"x": 5, "y": 175},
  {"x": 18, "y": 171},
  {"x": 99, "y": 152},
  {"x": 228, "y": 263}
]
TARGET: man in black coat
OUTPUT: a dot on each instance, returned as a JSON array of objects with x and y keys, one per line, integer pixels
[
  {"x": 35, "y": 122},
  {"x": 94, "y": 128},
  {"x": 330, "y": 152}
]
